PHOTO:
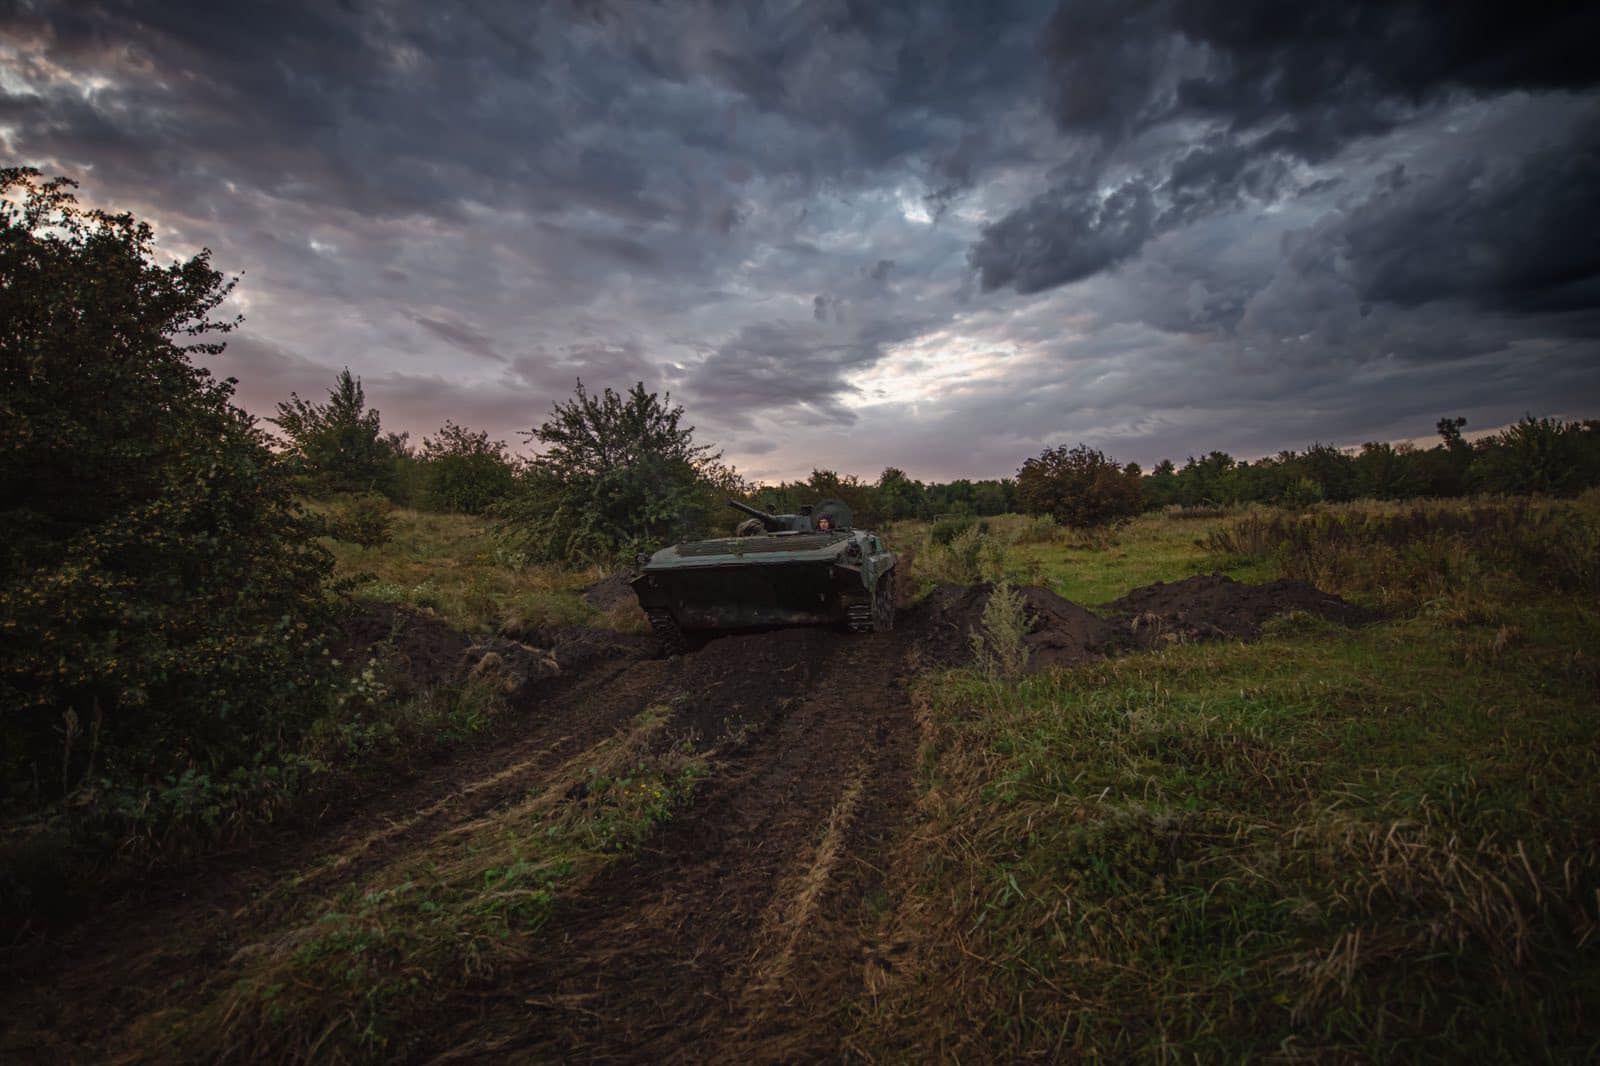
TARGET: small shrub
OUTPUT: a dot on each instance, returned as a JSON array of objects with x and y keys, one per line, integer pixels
[
  {"x": 971, "y": 557},
  {"x": 948, "y": 527},
  {"x": 365, "y": 520}
]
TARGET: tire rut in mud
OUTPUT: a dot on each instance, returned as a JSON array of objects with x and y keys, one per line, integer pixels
[{"x": 744, "y": 927}]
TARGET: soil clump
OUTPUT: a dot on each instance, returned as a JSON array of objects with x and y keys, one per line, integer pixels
[
  {"x": 420, "y": 649},
  {"x": 1215, "y": 607},
  {"x": 611, "y": 593}
]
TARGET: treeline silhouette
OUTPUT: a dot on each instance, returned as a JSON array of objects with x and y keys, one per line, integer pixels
[{"x": 340, "y": 446}]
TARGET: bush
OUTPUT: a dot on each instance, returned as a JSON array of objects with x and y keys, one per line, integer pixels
[
  {"x": 162, "y": 594},
  {"x": 1079, "y": 487},
  {"x": 947, "y": 528},
  {"x": 364, "y": 520},
  {"x": 619, "y": 475},
  {"x": 464, "y": 471},
  {"x": 971, "y": 557}
]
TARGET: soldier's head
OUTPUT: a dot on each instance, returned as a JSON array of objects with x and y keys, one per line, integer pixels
[{"x": 824, "y": 523}]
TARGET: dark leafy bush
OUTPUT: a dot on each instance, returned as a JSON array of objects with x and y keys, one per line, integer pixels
[
  {"x": 947, "y": 528},
  {"x": 364, "y": 520},
  {"x": 162, "y": 595},
  {"x": 618, "y": 474},
  {"x": 465, "y": 471},
  {"x": 1079, "y": 487}
]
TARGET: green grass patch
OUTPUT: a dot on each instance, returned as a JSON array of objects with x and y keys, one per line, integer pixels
[
  {"x": 454, "y": 565},
  {"x": 1368, "y": 844}
]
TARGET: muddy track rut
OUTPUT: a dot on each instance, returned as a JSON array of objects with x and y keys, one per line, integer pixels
[
  {"x": 752, "y": 897},
  {"x": 743, "y": 929}
]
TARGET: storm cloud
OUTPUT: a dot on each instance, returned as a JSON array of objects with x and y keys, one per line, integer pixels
[{"x": 931, "y": 235}]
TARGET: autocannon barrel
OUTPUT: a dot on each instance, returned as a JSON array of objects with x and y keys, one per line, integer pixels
[{"x": 770, "y": 521}]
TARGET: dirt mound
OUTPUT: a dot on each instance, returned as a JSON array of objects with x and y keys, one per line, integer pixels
[
  {"x": 939, "y": 625},
  {"x": 424, "y": 650},
  {"x": 1211, "y": 606},
  {"x": 612, "y": 592},
  {"x": 1060, "y": 633}
]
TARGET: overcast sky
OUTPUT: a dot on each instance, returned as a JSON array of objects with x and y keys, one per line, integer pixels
[{"x": 939, "y": 236}]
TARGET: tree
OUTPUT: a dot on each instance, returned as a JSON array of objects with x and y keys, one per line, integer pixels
[
  {"x": 464, "y": 470},
  {"x": 1383, "y": 472},
  {"x": 898, "y": 496},
  {"x": 340, "y": 445},
  {"x": 618, "y": 474},
  {"x": 162, "y": 594},
  {"x": 1078, "y": 487},
  {"x": 1534, "y": 455}
]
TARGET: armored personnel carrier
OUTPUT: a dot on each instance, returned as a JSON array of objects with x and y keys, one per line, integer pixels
[{"x": 811, "y": 568}]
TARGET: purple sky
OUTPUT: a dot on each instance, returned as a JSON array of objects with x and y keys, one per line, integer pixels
[{"x": 854, "y": 235}]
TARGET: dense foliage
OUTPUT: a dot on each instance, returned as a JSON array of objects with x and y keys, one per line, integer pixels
[
  {"x": 464, "y": 471},
  {"x": 618, "y": 474},
  {"x": 338, "y": 446},
  {"x": 161, "y": 593},
  {"x": 1078, "y": 487},
  {"x": 1540, "y": 456}
]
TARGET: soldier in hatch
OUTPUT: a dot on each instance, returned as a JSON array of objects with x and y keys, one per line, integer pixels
[{"x": 825, "y": 524}]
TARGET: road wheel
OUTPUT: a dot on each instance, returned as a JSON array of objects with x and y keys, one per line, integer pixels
[
  {"x": 883, "y": 604},
  {"x": 668, "y": 632}
]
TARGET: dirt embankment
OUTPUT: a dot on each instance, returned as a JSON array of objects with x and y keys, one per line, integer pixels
[
  {"x": 1061, "y": 633},
  {"x": 746, "y": 927}
]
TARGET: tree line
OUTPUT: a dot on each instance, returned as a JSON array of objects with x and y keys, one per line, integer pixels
[{"x": 616, "y": 473}]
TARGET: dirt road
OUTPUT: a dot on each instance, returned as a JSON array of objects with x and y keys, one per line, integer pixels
[
  {"x": 743, "y": 929},
  {"x": 739, "y": 926},
  {"x": 746, "y": 927}
]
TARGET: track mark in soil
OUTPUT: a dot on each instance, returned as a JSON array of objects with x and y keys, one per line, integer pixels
[
  {"x": 757, "y": 894},
  {"x": 795, "y": 904}
]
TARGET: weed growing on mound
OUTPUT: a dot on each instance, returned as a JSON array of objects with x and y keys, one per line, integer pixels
[{"x": 998, "y": 650}]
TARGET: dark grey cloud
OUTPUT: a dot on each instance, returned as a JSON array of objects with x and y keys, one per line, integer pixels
[
  {"x": 779, "y": 365},
  {"x": 1064, "y": 235},
  {"x": 461, "y": 334},
  {"x": 1183, "y": 108},
  {"x": 1500, "y": 234},
  {"x": 936, "y": 234}
]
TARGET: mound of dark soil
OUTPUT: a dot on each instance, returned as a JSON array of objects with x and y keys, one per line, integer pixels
[
  {"x": 612, "y": 592},
  {"x": 424, "y": 650},
  {"x": 939, "y": 625},
  {"x": 1211, "y": 607},
  {"x": 1060, "y": 633}
]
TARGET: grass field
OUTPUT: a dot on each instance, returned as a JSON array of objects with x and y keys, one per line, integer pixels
[
  {"x": 1381, "y": 843},
  {"x": 1329, "y": 844},
  {"x": 454, "y": 565},
  {"x": 1372, "y": 843}
]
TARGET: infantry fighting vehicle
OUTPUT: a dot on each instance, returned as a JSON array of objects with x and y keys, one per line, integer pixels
[{"x": 811, "y": 568}]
